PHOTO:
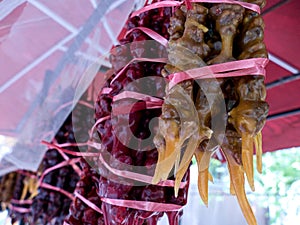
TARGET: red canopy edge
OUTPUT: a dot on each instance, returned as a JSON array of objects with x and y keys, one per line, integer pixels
[{"x": 282, "y": 131}]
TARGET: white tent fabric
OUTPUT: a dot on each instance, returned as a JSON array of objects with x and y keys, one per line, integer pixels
[
  {"x": 7, "y": 6},
  {"x": 46, "y": 49}
]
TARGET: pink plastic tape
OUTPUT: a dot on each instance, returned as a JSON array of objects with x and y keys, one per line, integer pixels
[
  {"x": 82, "y": 154},
  {"x": 57, "y": 189},
  {"x": 45, "y": 185},
  {"x": 188, "y": 4},
  {"x": 254, "y": 66},
  {"x": 162, "y": 4},
  {"x": 100, "y": 120},
  {"x": 150, "y": 102},
  {"x": 21, "y": 202},
  {"x": 154, "y": 35},
  {"x": 135, "y": 95},
  {"x": 19, "y": 209},
  {"x": 143, "y": 205},
  {"x": 60, "y": 165},
  {"x": 27, "y": 173},
  {"x": 139, "y": 177},
  {"x": 88, "y": 202},
  {"x": 158, "y": 60},
  {"x": 138, "y": 106},
  {"x": 106, "y": 91}
]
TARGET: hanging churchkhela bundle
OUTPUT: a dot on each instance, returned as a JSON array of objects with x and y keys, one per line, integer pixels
[
  {"x": 214, "y": 34},
  {"x": 44, "y": 197},
  {"x": 123, "y": 125},
  {"x": 86, "y": 188},
  {"x": 7, "y": 184}
]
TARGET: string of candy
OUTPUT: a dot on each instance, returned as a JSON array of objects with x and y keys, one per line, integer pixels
[
  {"x": 27, "y": 202},
  {"x": 41, "y": 184},
  {"x": 66, "y": 162},
  {"x": 89, "y": 143},
  {"x": 44, "y": 185},
  {"x": 237, "y": 68},
  {"x": 59, "y": 147}
]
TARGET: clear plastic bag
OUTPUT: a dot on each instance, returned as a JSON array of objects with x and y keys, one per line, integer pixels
[{"x": 46, "y": 47}]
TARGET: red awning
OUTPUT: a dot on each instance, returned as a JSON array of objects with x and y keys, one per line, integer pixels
[{"x": 282, "y": 35}]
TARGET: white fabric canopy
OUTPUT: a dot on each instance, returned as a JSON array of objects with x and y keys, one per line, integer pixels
[{"x": 46, "y": 49}]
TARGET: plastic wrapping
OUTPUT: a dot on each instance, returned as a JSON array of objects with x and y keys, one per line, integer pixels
[{"x": 46, "y": 47}]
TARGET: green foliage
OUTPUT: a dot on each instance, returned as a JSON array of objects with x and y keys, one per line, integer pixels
[{"x": 281, "y": 169}]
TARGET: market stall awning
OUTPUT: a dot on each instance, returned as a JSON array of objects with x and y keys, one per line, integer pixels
[
  {"x": 282, "y": 34},
  {"x": 45, "y": 48}
]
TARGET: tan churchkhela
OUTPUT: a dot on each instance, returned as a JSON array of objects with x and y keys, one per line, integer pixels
[{"x": 204, "y": 35}]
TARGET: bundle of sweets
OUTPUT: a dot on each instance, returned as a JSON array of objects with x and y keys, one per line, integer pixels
[
  {"x": 124, "y": 127},
  {"x": 45, "y": 196}
]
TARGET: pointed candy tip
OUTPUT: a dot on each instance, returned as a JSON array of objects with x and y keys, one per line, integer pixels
[
  {"x": 205, "y": 201},
  {"x": 176, "y": 187},
  {"x": 210, "y": 178},
  {"x": 176, "y": 192},
  {"x": 259, "y": 170},
  {"x": 156, "y": 179}
]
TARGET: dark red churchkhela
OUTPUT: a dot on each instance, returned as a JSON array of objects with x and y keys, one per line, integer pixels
[{"x": 135, "y": 126}]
